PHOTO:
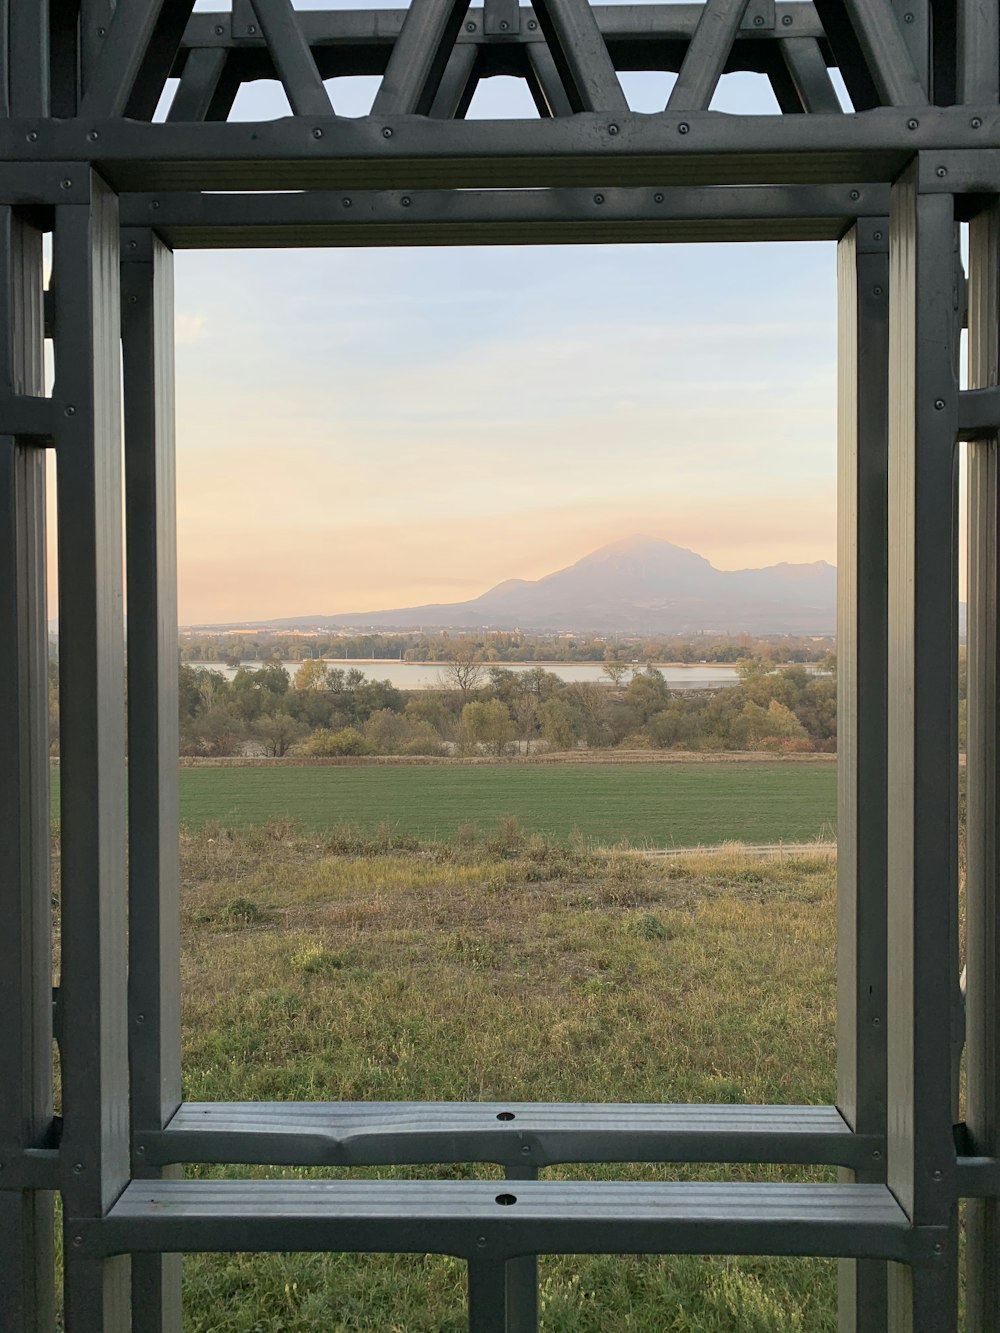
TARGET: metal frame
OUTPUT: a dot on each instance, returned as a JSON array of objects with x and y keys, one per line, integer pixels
[{"x": 81, "y": 157}]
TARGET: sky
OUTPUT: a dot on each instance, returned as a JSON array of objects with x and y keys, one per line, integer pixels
[{"x": 365, "y": 429}]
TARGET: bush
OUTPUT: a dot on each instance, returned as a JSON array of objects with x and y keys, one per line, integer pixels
[{"x": 325, "y": 743}]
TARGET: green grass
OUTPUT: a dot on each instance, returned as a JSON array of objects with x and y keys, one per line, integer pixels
[
  {"x": 504, "y": 967},
  {"x": 657, "y": 804}
]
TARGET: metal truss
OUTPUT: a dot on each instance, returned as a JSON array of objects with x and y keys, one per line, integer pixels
[{"x": 82, "y": 157}]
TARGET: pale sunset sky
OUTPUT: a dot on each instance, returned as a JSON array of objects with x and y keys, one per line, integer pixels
[{"x": 364, "y": 429}]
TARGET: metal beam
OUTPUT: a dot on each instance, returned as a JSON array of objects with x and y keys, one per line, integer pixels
[
  {"x": 706, "y": 56},
  {"x": 580, "y": 55},
  {"x": 293, "y": 60},
  {"x": 419, "y": 57}
]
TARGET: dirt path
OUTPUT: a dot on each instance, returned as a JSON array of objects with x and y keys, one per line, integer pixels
[{"x": 765, "y": 850}]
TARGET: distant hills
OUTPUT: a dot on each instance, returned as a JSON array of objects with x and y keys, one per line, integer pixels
[{"x": 640, "y": 584}]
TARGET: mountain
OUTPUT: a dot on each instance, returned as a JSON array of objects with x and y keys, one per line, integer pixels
[{"x": 641, "y": 584}]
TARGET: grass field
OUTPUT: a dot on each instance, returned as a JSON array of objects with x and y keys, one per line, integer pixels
[
  {"x": 504, "y": 967},
  {"x": 656, "y": 804}
]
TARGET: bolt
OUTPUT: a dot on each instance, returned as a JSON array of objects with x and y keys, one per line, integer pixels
[
  {"x": 102, "y": 32},
  {"x": 78, "y": 1168},
  {"x": 251, "y": 29},
  {"x": 941, "y": 172},
  {"x": 345, "y": 203},
  {"x": 598, "y": 198},
  {"x": 406, "y": 201},
  {"x": 876, "y": 1022},
  {"x": 504, "y": 25},
  {"x": 66, "y": 185},
  {"x": 133, "y": 300},
  {"x": 937, "y": 1175},
  {"x": 317, "y": 133},
  {"x": 612, "y": 129},
  {"x": 976, "y": 123},
  {"x": 758, "y": 21},
  {"x": 657, "y": 198},
  {"x": 876, "y": 291},
  {"x": 913, "y": 124},
  {"x": 683, "y": 127},
  {"x": 526, "y": 1151},
  {"x": 141, "y": 1152},
  {"x": 133, "y": 245},
  {"x": 876, "y": 235},
  {"x": 938, "y": 1247},
  {"x": 855, "y": 195},
  {"x": 69, "y": 411},
  {"x": 31, "y": 136},
  {"x": 470, "y": 27},
  {"x": 532, "y": 25},
  {"x": 93, "y": 136},
  {"x": 481, "y": 1242},
  {"x": 877, "y": 1155},
  {"x": 155, "y": 203},
  {"x": 140, "y": 1018},
  {"x": 219, "y": 30},
  {"x": 787, "y": 20},
  {"x": 77, "y": 1241},
  {"x": 387, "y": 133},
  {"x": 907, "y": 18},
  {"x": 939, "y": 404}
]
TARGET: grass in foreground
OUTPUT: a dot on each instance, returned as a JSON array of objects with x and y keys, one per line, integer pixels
[
  {"x": 358, "y": 966},
  {"x": 656, "y": 804}
]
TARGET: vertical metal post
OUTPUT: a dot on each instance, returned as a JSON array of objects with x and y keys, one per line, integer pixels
[
  {"x": 487, "y": 1295},
  {"x": 862, "y": 592},
  {"x": 154, "y": 872},
  {"x": 922, "y": 652},
  {"x": 27, "y": 1252},
  {"x": 522, "y": 1275},
  {"x": 95, "y": 1163},
  {"x": 982, "y": 814}
]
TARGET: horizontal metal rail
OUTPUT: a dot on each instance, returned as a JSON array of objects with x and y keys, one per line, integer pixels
[
  {"x": 506, "y": 1219},
  {"x": 509, "y": 1133}
]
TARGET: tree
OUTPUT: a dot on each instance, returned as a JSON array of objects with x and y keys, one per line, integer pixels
[
  {"x": 387, "y": 732},
  {"x": 346, "y": 741},
  {"x": 488, "y": 724},
  {"x": 313, "y": 675},
  {"x": 614, "y": 668},
  {"x": 557, "y": 725},
  {"x": 465, "y": 670},
  {"x": 275, "y": 733}
]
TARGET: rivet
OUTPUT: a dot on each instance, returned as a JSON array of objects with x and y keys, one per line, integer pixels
[
  {"x": 504, "y": 25},
  {"x": 876, "y": 1022},
  {"x": 102, "y": 32},
  {"x": 876, "y": 235},
  {"x": 787, "y": 20},
  {"x": 683, "y": 127},
  {"x": 345, "y": 203},
  {"x": 876, "y": 291},
  {"x": 470, "y": 27},
  {"x": 69, "y": 411},
  {"x": 532, "y": 25},
  {"x": 317, "y": 133},
  {"x": 155, "y": 203},
  {"x": 976, "y": 123},
  {"x": 758, "y": 21},
  {"x": 387, "y": 133},
  {"x": 133, "y": 245},
  {"x": 877, "y": 1154},
  {"x": 251, "y": 28},
  {"x": 140, "y": 1018},
  {"x": 66, "y": 185},
  {"x": 939, "y": 404},
  {"x": 612, "y": 129},
  {"x": 133, "y": 300},
  {"x": 93, "y": 136},
  {"x": 526, "y": 1151},
  {"x": 913, "y": 124},
  {"x": 77, "y": 1241},
  {"x": 657, "y": 198},
  {"x": 219, "y": 30},
  {"x": 77, "y": 1168},
  {"x": 938, "y": 1247},
  {"x": 938, "y": 1175},
  {"x": 907, "y": 18},
  {"x": 31, "y": 136},
  {"x": 141, "y": 1152},
  {"x": 941, "y": 172},
  {"x": 598, "y": 198},
  {"x": 481, "y": 1242},
  {"x": 855, "y": 195},
  {"x": 406, "y": 201}
]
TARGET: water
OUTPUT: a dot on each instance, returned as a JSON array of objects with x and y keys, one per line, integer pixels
[{"x": 430, "y": 675}]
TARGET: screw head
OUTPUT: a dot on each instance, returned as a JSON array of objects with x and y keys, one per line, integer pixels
[
  {"x": 133, "y": 300},
  {"x": 77, "y": 1168},
  {"x": 941, "y": 172},
  {"x": 683, "y": 128},
  {"x": 976, "y": 122},
  {"x": 612, "y": 129},
  {"x": 406, "y": 201},
  {"x": 877, "y": 1154},
  {"x": 526, "y": 1151},
  {"x": 219, "y": 30},
  {"x": 876, "y": 291},
  {"x": 939, "y": 404},
  {"x": 140, "y": 1152},
  {"x": 345, "y": 203},
  {"x": 787, "y": 20},
  {"x": 598, "y": 198},
  {"x": 481, "y": 1242},
  {"x": 855, "y": 195},
  {"x": 657, "y": 198},
  {"x": 907, "y": 18},
  {"x": 913, "y": 124},
  {"x": 93, "y": 136},
  {"x": 66, "y": 184},
  {"x": 387, "y": 133},
  {"x": 77, "y": 1241},
  {"x": 102, "y": 32},
  {"x": 317, "y": 133},
  {"x": 470, "y": 27},
  {"x": 504, "y": 25},
  {"x": 251, "y": 28},
  {"x": 133, "y": 245},
  {"x": 31, "y": 136},
  {"x": 938, "y": 1247},
  {"x": 758, "y": 21},
  {"x": 938, "y": 1175},
  {"x": 155, "y": 203},
  {"x": 532, "y": 25},
  {"x": 69, "y": 411},
  {"x": 876, "y": 235}
]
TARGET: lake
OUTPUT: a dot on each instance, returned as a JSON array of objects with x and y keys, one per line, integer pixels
[{"x": 428, "y": 675}]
